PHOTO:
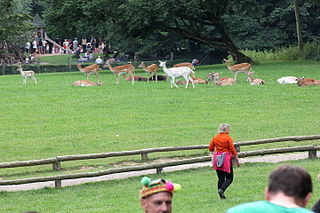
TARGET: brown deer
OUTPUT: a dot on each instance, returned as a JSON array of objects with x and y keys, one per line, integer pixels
[
  {"x": 27, "y": 74},
  {"x": 136, "y": 78},
  {"x": 302, "y": 82},
  {"x": 120, "y": 70},
  {"x": 216, "y": 80},
  {"x": 238, "y": 68},
  {"x": 195, "y": 81},
  {"x": 86, "y": 83},
  {"x": 254, "y": 81},
  {"x": 190, "y": 65},
  {"x": 91, "y": 69},
  {"x": 152, "y": 70}
]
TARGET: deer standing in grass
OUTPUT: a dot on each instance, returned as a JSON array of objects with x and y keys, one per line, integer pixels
[
  {"x": 176, "y": 72},
  {"x": 86, "y": 83},
  {"x": 27, "y": 74},
  {"x": 120, "y": 70},
  {"x": 190, "y": 65},
  {"x": 152, "y": 70},
  {"x": 238, "y": 68},
  {"x": 254, "y": 81},
  {"x": 91, "y": 69},
  {"x": 217, "y": 81}
]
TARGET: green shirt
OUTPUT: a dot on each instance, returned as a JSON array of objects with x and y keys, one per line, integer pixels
[{"x": 265, "y": 207}]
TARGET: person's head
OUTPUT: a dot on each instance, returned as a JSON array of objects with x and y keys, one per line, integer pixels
[
  {"x": 156, "y": 195},
  {"x": 292, "y": 181},
  {"x": 224, "y": 128}
]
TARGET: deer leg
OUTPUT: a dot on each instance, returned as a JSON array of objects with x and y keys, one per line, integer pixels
[
  {"x": 117, "y": 78},
  {"x": 25, "y": 80},
  {"x": 87, "y": 75},
  {"x": 97, "y": 74},
  {"x": 156, "y": 76},
  {"x": 34, "y": 80},
  {"x": 192, "y": 82},
  {"x": 132, "y": 78},
  {"x": 174, "y": 83}
]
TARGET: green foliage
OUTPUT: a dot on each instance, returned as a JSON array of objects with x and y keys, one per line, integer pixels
[{"x": 312, "y": 51}]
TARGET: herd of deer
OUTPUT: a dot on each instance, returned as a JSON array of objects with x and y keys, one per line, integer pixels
[{"x": 185, "y": 70}]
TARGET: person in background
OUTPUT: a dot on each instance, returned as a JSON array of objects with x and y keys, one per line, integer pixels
[
  {"x": 75, "y": 44},
  {"x": 156, "y": 195},
  {"x": 289, "y": 191},
  {"x": 223, "y": 151},
  {"x": 195, "y": 62},
  {"x": 99, "y": 60}
]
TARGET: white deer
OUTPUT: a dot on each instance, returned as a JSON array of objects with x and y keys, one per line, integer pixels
[
  {"x": 176, "y": 72},
  {"x": 151, "y": 70},
  {"x": 254, "y": 81},
  {"x": 120, "y": 70},
  {"x": 238, "y": 68},
  {"x": 27, "y": 74},
  {"x": 287, "y": 80},
  {"x": 86, "y": 83}
]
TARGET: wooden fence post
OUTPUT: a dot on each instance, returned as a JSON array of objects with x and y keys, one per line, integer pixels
[
  {"x": 312, "y": 154},
  {"x": 159, "y": 170},
  {"x": 57, "y": 165},
  {"x": 57, "y": 184},
  {"x": 144, "y": 156},
  {"x": 237, "y": 147}
]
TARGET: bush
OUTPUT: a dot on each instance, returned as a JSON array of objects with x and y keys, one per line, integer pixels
[{"x": 312, "y": 51}]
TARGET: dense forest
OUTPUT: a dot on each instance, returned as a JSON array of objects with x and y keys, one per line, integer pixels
[{"x": 154, "y": 29}]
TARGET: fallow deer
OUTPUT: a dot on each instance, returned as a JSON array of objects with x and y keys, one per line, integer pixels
[
  {"x": 195, "y": 81},
  {"x": 91, "y": 69},
  {"x": 86, "y": 83},
  {"x": 151, "y": 70},
  {"x": 238, "y": 68},
  {"x": 27, "y": 74},
  {"x": 176, "y": 72},
  {"x": 302, "y": 82},
  {"x": 217, "y": 81},
  {"x": 254, "y": 81},
  {"x": 287, "y": 80},
  {"x": 120, "y": 70},
  {"x": 190, "y": 65}
]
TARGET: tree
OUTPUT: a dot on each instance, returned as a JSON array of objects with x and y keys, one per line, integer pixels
[
  {"x": 10, "y": 36},
  {"x": 200, "y": 21}
]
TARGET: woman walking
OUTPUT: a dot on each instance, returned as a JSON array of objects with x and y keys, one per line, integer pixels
[{"x": 223, "y": 148}]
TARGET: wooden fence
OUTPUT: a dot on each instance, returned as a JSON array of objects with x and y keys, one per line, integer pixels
[{"x": 56, "y": 161}]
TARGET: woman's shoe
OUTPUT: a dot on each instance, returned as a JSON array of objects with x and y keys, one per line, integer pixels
[{"x": 221, "y": 194}]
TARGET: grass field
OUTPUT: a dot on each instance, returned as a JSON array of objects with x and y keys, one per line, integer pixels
[
  {"x": 198, "y": 193},
  {"x": 53, "y": 118}
]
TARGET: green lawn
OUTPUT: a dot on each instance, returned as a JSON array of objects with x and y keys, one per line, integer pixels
[
  {"x": 53, "y": 118},
  {"x": 198, "y": 193}
]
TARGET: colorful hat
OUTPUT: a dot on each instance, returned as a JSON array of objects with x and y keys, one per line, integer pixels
[{"x": 154, "y": 186}]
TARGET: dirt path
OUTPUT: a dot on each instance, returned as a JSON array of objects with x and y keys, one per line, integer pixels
[{"x": 33, "y": 186}]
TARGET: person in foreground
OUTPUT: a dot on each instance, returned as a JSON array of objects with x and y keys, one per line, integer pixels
[
  {"x": 289, "y": 190},
  {"x": 223, "y": 148},
  {"x": 156, "y": 195}
]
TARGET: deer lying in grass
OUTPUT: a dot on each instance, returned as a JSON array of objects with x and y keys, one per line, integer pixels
[
  {"x": 217, "y": 81},
  {"x": 288, "y": 80},
  {"x": 302, "y": 82},
  {"x": 86, "y": 83},
  {"x": 152, "y": 70},
  {"x": 91, "y": 69},
  {"x": 176, "y": 72},
  {"x": 254, "y": 81},
  {"x": 159, "y": 78},
  {"x": 190, "y": 65},
  {"x": 195, "y": 81},
  {"x": 136, "y": 78},
  {"x": 120, "y": 70},
  {"x": 238, "y": 68},
  {"x": 27, "y": 74}
]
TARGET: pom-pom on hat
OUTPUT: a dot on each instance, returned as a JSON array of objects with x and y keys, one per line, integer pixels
[{"x": 154, "y": 186}]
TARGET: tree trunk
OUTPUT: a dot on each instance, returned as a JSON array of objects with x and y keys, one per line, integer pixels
[{"x": 298, "y": 25}]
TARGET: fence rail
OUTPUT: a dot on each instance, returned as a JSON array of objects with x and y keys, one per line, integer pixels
[{"x": 312, "y": 153}]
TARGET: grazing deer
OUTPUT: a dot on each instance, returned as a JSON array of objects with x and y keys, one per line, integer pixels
[
  {"x": 86, "y": 83},
  {"x": 151, "y": 70},
  {"x": 195, "y": 81},
  {"x": 254, "y": 81},
  {"x": 217, "y": 81},
  {"x": 238, "y": 68},
  {"x": 288, "y": 80},
  {"x": 136, "y": 78},
  {"x": 175, "y": 72},
  {"x": 91, "y": 69},
  {"x": 27, "y": 74},
  {"x": 190, "y": 65},
  {"x": 302, "y": 82},
  {"x": 120, "y": 70}
]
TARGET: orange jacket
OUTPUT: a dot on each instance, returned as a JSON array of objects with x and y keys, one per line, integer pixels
[{"x": 222, "y": 142}]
